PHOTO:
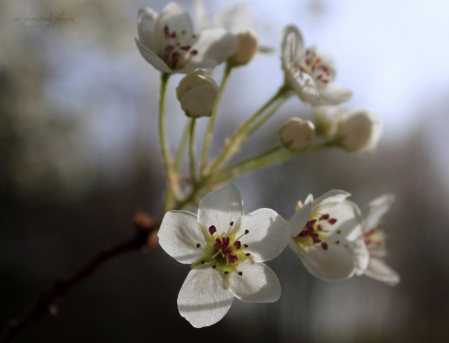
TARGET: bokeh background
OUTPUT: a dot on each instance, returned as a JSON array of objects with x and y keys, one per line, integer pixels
[{"x": 79, "y": 154}]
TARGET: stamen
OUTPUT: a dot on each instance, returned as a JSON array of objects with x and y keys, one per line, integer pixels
[
  {"x": 332, "y": 221},
  {"x": 245, "y": 245},
  {"x": 246, "y": 232},
  {"x": 325, "y": 216},
  {"x": 337, "y": 242},
  {"x": 202, "y": 262},
  {"x": 240, "y": 273},
  {"x": 212, "y": 229},
  {"x": 324, "y": 246},
  {"x": 194, "y": 52},
  {"x": 226, "y": 273},
  {"x": 237, "y": 244},
  {"x": 248, "y": 254},
  {"x": 231, "y": 223},
  {"x": 214, "y": 266},
  {"x": 198, "y": 245},
  {"x": 338, "y": 231}
]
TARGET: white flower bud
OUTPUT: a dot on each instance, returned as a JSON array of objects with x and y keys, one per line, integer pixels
[
  {"x": 360, "y": 131},
  {"x": 327, "y": 120},
  {"x": 197, "y": 93},
  {"x": 297, "y": 134},
  {"x": 247, "y": 46}
]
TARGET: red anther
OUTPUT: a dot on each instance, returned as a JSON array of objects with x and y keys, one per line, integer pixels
[
  {"x": 303, "y": 234},
  {"x": 185, "y": 47},
  {"x": 309, "y": 229},
  {"x": 212, "y": 229},
  {"x": 332, "y": 221},
  {"x": 166, "y": 28},
  {"x": 218, "y": 243},
  {"x": 370, "y": 232},
  {"x": 318, "y": 61},
  {"x": 314, "y": 235},
  {"x": 319, "y": 227},
  {"x": 302, "y": 69},
  {"x": 325, "y": 69},
  {"x": 319, "y": 77},
  {"x": 175, "y": 58},
  {"x": 325, "y": 216},
  {"x": 313, "y": 67},
  {"x": 233, "y": 258},
  {"x": 237, "y": 244},
  {"x": 324, "y": 246},
  {"x": 307, "y": 62},
  {"x": 316, "y": 241},
  {"x": 372, "y": 255},
  {"x": 193, "y": 52},
  {"x": 173, "y": 35},
  {"x": 311, "y": 222},
  {"x": 325, "y": 81},
  {"x": 225, "y": 241},
  {"x": 368, "y": 241}
]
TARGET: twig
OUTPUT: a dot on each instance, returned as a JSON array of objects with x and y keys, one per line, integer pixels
[{"x": 145, "y": 238}]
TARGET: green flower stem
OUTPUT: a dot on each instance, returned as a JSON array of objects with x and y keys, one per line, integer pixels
[
  {"x": 210, "y": 125},
  {"x": 272, "y": 156},
  {"x": 192, "y": 150},
  {"x": 182, "y": 148},
  {"x": 241, "y": 134}
]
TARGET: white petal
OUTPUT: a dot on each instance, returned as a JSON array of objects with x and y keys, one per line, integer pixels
[
  {"x": 376, "y": 209},
  {"x": 361, "y": 254},
  {"x": 292, "y": 46},
  {"x": 330, "y": 199},
  {"x": 209, "y": 64},
  {"x": 152, "y": 58},
  {"x": 334, "y": 264},
  {"x": 264, "y": 51},
  {"x": 198, "y": 101},
  {"x": 257, "y": 284},
  {"x": 378, "y": 270},
  {"x": 214, "y": 44},
  {"x": 349, "y": 222},
  {"x": 268, "y": 234},
  {"x": 303, "y": 84},
  {"x": 300, "y": 218},
  {"x": 203, "y": 299},
  {"x": 177, "y": 19},
  {"x": 235, "y": 19},
  {"x": 200, "y": 14},
  {"x": 179, "y": 234},
  {"x": 220, "y": 208},
  {"x": 333, "y": 94},
  {"x": 145, "y": 23}
]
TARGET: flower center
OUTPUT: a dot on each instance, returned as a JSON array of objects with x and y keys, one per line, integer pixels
[
  {"x": 314, "y": 232},
  {"x": 311, "y": 64},
  {"x": 223, "y": 252},
  {"x": 375, "y": 243},
  {"x": 174, "y": 53}
]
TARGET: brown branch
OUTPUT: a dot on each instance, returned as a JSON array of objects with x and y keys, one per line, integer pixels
[{"x": 145, "y": 238}]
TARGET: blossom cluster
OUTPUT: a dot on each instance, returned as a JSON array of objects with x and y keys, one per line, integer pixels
[{"x": 225, "y": 247}]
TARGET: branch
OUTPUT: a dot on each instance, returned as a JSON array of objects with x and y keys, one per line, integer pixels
[{"x": 145, "y": 237}]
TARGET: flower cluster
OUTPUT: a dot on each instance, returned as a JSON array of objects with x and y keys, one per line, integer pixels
[{"x": 225, "y": 247}]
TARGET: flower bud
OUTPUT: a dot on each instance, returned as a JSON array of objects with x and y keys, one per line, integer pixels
[
  {"x": 297, "y": 134},
  {"x": 247, "y": 46},
  {"x": 360, "y": 131},
  {"x": 327, "y": 120},
  {"x": 197, "y": 93}
]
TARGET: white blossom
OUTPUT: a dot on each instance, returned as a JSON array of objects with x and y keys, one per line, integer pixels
[
  {"x": 327, "y": 236},
  {"x": 197, "y": 93},
  {"x": 225, "y": 248},
  {"x": 375, "y": 241},
  {"x": 310, "y": 72},
  {"x": 297, "y": 134},
  {"x": 167, "y": 41}
]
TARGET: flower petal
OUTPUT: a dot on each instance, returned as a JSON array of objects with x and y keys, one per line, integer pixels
[
  {"x": 220, "y": 208},
  {"x": 268, "y": 234},
  {"x": 333, "y": 94},
  {"x": 258, "y": 283},
  {"x": 179, "y": 234},
  {"x": 177, "y": 19},
  {"x": 360, "y": 252},
  {"x": 300, "y": 218},
  {"x": 209, "y": 64},
  {"x": 292, "y": 46},
  {"x": 378, "y": 270},
  {"x": 235, "y": 19},
  {"x": 203, "y": 300},
  {"x": 299, "y": 252},
  {"x": 329, "y": 199},
  {"x": 214, "y": 44},
  {"x": 145, "y": 22},
  {"x": 200, "y": 14},
  {"x": 334, "y": 264},
  {"x": 328, "y": 61},
  {"x": 376, "y": 209},
  {"x": 349, "y": 222},
  {"x": 198, "y": 101},
  {"x": 152, "y": 58}
]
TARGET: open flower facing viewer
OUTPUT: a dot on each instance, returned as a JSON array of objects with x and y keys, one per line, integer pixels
[
  {"x": 225, "y": 248},
  {"x": 168, "y": 43}
]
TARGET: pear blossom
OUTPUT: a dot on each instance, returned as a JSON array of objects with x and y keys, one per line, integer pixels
[
  {"x": 226, "y": 249},
  {"x": 297, "y": 134},
  {"x": 168, "y": 43},
  {"x": 239, "y": 21},
  {"x": 327, "y": 236},
  {"x": 328, "y": 119},
  {"x": 375, "y": 241},
  {"x": 197, "y": 93},
  {"x": 360, "y": 131},
  {"x": 310, "y": 72}
]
